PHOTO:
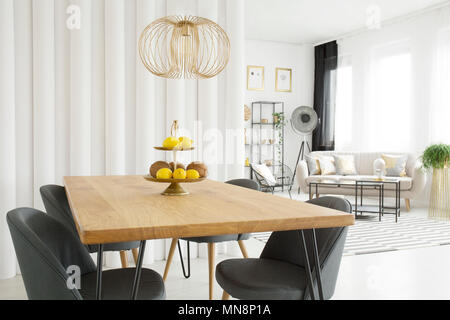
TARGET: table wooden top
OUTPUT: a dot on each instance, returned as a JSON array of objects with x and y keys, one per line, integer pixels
[{"x": 127, "y": 208}]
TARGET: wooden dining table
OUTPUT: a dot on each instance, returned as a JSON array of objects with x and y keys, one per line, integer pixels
[{"x": 109, "y": 209}]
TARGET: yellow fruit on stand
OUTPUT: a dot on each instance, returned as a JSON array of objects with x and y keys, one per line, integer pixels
[
  {"x": 170, "y": 143},
  {"x": 164, "y": 173},
  {"x": 185, "y": 142},
  {"x": 179, "y": 174},
  {"x": 192, "y": 174}
]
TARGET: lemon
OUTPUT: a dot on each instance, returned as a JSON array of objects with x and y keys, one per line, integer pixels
[
  {"x": 170, "y": 143},
  {"x": 164, "y": 173},
  {"x": 192, "y": 174},
  {"x": 179, "y": 174},
  {"x": 185, "y": 142}
]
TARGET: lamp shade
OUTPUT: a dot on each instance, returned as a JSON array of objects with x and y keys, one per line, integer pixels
[{"x": 189, "y": 47}]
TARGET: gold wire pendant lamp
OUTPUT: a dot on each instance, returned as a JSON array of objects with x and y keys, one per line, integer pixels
[{"x": 188, "y": 47}]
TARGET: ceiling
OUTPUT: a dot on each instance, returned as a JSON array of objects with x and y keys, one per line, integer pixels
[{"x": 313, "y": 21}]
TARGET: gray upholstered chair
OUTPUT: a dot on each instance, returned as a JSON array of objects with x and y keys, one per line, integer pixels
[
  {"x": 57, "y": 206},
  {"x": 279, "y": 273},
  {"x": 212, "y": 240},
  {"x": 45, "y": 249}
]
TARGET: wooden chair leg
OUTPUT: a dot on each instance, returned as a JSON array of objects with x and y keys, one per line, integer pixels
[
  {"x": 123, "y": 258},
  {"x": 173, "y": 245},
  {"x": 317, "y": 195},
  {"x": 135, "y": 252},
  {"x": 211, "y": 252},
  {"x": 408, "y": 205},
  {"x": 225, "y": 295},
  {"x": 243, "y": 249}
]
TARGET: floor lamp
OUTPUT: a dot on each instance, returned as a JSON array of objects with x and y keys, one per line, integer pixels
[{"x": 304, "y": 121}]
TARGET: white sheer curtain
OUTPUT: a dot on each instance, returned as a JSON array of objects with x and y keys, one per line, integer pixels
[
  {"x": 393, "y": 88},
  {"x": 78, "y": 101}
]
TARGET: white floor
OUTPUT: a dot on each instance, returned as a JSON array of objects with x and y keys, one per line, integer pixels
[{"x": 408, "y": 274}]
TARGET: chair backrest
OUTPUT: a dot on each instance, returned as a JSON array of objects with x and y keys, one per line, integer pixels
[
  {"x": 249, "y": 184},
  {"x": 288, "y": 246},
  {"x": 245, "y": 183},
  {"x": 57, "y": 205},
  {"x": 45, "y": 249}
]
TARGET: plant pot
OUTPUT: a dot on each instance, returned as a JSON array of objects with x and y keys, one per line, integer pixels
[
  {"x": 275, "y": 119},
  {"x": 440, "y": 195}
]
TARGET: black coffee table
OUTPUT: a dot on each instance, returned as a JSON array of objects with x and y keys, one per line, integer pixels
[{"x": 360, "y": 186}]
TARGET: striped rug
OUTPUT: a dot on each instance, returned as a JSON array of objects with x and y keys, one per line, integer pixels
[{"x": 370, "y": 236}]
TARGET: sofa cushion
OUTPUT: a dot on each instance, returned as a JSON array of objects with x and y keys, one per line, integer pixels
[
  {"x": 395, "y": 165},
  {"x": 313, "y": 165},
  {"x": 364, "y": 160},
  {"x": 327, "y": 166},
  {"x": 345, "y": 164}
]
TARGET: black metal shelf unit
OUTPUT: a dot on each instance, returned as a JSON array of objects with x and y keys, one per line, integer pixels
[{"x": 257, "y": 124}]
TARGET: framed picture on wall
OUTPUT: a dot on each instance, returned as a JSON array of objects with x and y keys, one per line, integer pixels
[
  {"x": 255, "y": 78},
  {"x": 283, "y": 80}
]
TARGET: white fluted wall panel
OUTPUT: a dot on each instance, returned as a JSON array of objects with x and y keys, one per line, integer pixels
[
  {"x": 44, "y": 95},
  {"x": 7, "y": 136},
  {"x": 80, "y": 92},
  {"x": 76, "y": 100},
  {"x": 23, "y": 34},
  {"x": 62, "y": 92},
  {"x": 235, "y": 91},
  {"x": 98, "y": 149}
]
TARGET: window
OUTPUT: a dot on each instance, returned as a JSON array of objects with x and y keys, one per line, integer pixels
[
  {"x": 344, "y": 104},
  {"x": 389, "y": 114},
  {"x": 440, "y": 131}
]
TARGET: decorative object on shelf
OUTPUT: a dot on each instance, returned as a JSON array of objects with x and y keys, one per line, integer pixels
[
  {"x": 247, "y": 113},
  {"x": 247, "y": 162},
  {"x": 174, "y": 172},
  {"x": 283, "y": 80},
  {"x": 265, "y": 121},
  {"x": 268, "y": 163},
  {"x": 279, "y": 126},
  {"x": 437, "y": 158},
  {"x": 177, "y": 47},
  {"x": 271, "y": 141},
  {"x": 304, "y": 121},
  {"x": 255, "y": 78},
  {"x": 263, "y": 141}
]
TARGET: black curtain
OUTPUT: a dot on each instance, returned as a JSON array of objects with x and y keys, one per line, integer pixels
[{"x": 326, "y": 60}]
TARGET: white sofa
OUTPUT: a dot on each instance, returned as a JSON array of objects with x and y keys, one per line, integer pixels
[{"x": 411, "y": 185}]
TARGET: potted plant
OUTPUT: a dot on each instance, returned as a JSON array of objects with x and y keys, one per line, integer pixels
[
  {"x": 279, "y": 121},
  {"x": 437, "y": 158}
]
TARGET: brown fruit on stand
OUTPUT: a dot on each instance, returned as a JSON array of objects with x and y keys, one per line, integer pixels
[
  {"x": 200, "y": 167},
  {"x": 158, "y": 165},
  {"x": 179, "y": 165}
]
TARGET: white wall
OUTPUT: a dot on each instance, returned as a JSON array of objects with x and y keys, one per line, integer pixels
[
  {"x": 299, "y": 58},
  {"x": 82, "y": 103}
]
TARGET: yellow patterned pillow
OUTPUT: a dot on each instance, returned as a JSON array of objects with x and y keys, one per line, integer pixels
[
  {"x": 395, "y": 165},
  {"x": 345, "y": 165},
  {"x": 327, "y": 166},
  {"x": 313, "y": 165}
]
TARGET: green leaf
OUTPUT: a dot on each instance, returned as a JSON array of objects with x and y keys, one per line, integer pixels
[{"x": 436, "y": 156}]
